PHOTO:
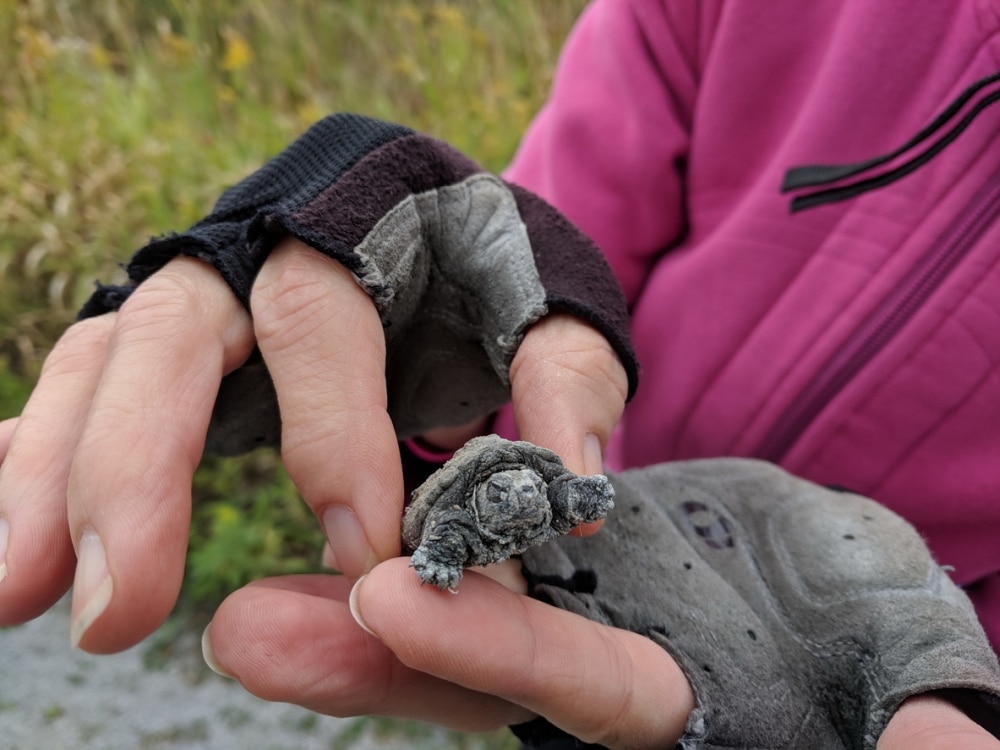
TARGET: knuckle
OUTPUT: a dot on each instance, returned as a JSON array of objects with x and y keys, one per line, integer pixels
[
  {"x": 563, "y": 352},
  {"x": 289, "y": 280},
  {"x": 280, "y": 670},
  {"x": 594, "y": 372},
  {"x": 80, "y": 348},
  {"x": 285, "y": 299},
  {"x": 310, "y": 306},
  {"x": 159, "y": 304},
  {"x": 303, "y": 445},
  {"x": 341, "y": 442},
  {"x": 185, "y": 298}
]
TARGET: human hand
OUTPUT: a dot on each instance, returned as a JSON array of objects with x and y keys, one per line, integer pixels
[
  {"x": 95, "y": 483},
  {"x": 468, "y": 661},
  {"x": 489, "y": 680},
  {"x": 481, "y": 660},
  {"x": 102, "y": 458},
  {"x": 475, "y": 661}
]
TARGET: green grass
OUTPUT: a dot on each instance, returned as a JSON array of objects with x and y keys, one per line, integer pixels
[{"x": 124, "y": 120}]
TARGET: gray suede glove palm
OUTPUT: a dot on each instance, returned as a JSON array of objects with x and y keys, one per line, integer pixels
[{"x": 802, "y": 617}]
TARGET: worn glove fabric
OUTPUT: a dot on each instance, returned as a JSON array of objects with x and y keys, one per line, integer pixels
[
  {"x": 457, "y": 261},
  {"x": 802, "y": 617}
]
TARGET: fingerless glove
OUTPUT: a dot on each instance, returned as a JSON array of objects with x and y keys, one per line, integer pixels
[
  {"x": 802, "y": 617},
  {"x": 458, "y": 262}
]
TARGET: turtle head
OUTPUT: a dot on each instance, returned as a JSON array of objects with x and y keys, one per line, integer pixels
[{"x": 511, "y": 500}]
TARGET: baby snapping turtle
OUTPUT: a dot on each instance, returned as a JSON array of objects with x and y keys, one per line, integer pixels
[{"x": 495, "y": 498}]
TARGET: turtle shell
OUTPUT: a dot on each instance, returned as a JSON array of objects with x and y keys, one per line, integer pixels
[{"x": 454, "y": 484}]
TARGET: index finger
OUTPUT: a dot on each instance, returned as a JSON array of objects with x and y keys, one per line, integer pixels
[{"x": 129, "y": 487}]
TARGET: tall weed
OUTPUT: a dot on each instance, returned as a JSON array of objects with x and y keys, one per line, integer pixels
[{"x": 121, "y": 120}]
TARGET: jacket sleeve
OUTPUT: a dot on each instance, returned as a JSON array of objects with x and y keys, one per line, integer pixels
[{"x": 609, "y": 149}]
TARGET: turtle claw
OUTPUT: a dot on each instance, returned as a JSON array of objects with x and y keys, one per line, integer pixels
[{"x": 441, "y": 574}]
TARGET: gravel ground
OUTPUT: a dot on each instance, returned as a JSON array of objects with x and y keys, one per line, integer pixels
[{"x": 152, "y": 698}]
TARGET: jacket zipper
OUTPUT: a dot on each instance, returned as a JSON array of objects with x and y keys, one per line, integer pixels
[{"x": 886, "y": 321}]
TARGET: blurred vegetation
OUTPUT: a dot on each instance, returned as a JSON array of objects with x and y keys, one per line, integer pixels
[{"x": 121, "y": 120}]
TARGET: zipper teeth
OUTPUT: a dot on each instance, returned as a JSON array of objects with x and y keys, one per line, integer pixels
[{"x": 875, "y": 333}]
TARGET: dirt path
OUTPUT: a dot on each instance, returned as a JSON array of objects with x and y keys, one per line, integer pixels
[{"x": 54, "y": 698}]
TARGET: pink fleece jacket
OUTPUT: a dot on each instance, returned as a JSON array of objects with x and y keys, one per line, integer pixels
[{"x": 857, "y": 343}]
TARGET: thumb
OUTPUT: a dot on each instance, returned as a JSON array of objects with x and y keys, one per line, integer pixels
[{"x": 568, "y": 389}]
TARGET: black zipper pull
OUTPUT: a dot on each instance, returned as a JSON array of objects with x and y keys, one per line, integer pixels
[{"x": 815, "y": 175}]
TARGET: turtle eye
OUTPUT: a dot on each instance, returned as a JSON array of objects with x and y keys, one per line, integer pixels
[
  {"x": 497, "y": 489},
  {"x": 532, "y": 485}
]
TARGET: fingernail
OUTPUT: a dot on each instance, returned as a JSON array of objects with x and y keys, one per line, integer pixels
[
  {"x": 92, "y": 586},
  {"x": 593, "y": 460},
  {"x": 330, "y": 559},
  {"x": 4, "y": 534},
  {"x": 348, "y": 542},
  {"x": 352, "y": 602},
  {"x": 209, "y": 656}
]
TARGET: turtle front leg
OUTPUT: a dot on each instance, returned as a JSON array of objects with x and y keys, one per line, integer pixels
[
  {"x": 579, "y": 499},
  {"x": 439, "y": 560}
]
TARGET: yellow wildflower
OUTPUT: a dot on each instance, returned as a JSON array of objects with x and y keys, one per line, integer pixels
[{"x": 237, "y": 54}]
